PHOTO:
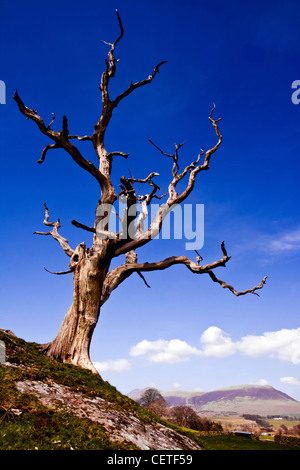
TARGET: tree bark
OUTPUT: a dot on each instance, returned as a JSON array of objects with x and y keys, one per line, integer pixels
[{"x": 72, "y": 343}]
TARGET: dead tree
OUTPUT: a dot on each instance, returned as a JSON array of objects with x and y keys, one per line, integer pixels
[{"x": 93, "y": 279}]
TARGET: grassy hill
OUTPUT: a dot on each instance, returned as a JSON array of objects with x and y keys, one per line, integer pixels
[
  {"x": 238, "y": 400},
  {"x": 48, "y": 405},
  {"x": 45, "y": 404},
  {"x": 254, "y": 399}
]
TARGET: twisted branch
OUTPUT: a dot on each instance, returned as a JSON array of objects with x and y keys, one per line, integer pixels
[
  {"x": 107, "y": 104},
  {"x": 54, "y": 233},
  {"x": 134, "y": 86},
  {"x": 48, "y": 147},
  {"x": 53, "y": 118},
  {"x": 119, "y": 274},
  {"x": 61, "y": 140},
  {"x": 233, "y": 290},
  {"x": 59, "y": 272},
  {"x": 84, "y": 227}
]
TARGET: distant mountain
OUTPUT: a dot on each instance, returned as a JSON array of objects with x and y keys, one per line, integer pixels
[{"x": 253, "y": 399}]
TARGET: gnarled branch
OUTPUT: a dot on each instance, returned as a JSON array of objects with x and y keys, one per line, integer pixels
[
  {"x": 84, "y": 227},
  {"x": 107, "y": 104},
  {"x": 59, "y": 272},
  {"x": 83, "y": 138},
  {"x": 119, "y": 274},
  {"x": 174, "y": 199},
  {"x": 233, "y": 290},
  {"x": 119, "y": 154},
  {"x": 142, "y": 277},
  {"x": 134, "y": 86},
  {"x": 54, "y": 233},
  {"x": 127, "y": 189},
  {"x": 48, "y": 147},
  {"x": 193, "y": 168},
  {"x": 60, "y": 138},
  {"x": 52, "y": 121}
]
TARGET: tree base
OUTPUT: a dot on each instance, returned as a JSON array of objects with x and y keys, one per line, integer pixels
[{"x": 50, "y": 350}]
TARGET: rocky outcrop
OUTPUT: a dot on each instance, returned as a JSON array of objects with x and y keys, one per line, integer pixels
[{"x": 122, "y": 426}]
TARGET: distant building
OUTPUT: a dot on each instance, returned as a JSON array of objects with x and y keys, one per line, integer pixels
[{"x": 246, "y": 434}]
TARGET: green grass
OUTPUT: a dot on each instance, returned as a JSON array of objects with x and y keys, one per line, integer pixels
[
  {"x": 49, "y": 430},
  {"x": 276, "y": 423},
  {"x": 266, "y": 438},
  {"x": 45, "y": 429},
  {"x": 231, "y": 442},
  {"x": 38, "y": 427},
  {"x": 37, "y": 366}
]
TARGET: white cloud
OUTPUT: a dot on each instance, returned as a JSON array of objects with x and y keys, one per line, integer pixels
[
  {"x": 164, "y": 351},
  {"x": 271, "y": 245},
  {"x": 216, "y": 343},
  {"x": 289, "y": 241},
  {"x": 283, "y": 344},
  {"x": 290, "y": 381},
  {"x": 262, "y": 382},
  {"x": 176, "y": 385},
  {"x": 117, "y": 365},
  {"x": 145, "y": 346}
]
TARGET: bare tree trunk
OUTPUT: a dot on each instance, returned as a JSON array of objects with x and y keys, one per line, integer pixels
[{"x": 72, "y": 343}]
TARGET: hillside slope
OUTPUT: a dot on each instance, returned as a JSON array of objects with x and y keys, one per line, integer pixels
[
  {"x": 48, "y": 405},
  {"x": 253, "y": 399}
]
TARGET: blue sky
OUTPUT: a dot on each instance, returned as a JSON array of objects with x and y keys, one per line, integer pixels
[{"x": 185, "y": 332}]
